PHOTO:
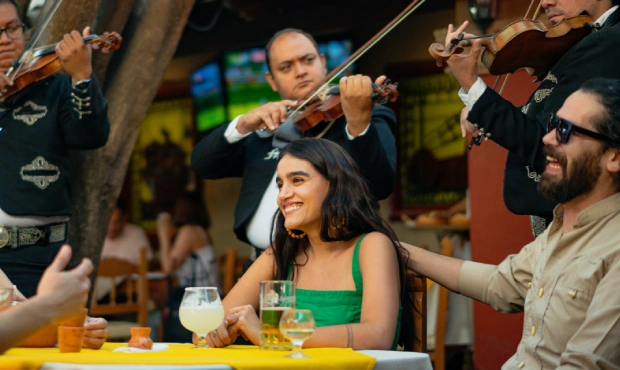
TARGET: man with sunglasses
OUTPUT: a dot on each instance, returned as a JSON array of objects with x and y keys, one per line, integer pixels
[
  {"x": 565, "y": 281},
  {"x": 38, "y": 126},
  {"x": 520, "y": 129}
]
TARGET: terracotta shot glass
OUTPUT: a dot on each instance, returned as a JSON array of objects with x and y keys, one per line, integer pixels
[
  {"x": 70, "y": 338},
  {"x": 76, "y": 321},
  {"x": 140, "y": 338}
]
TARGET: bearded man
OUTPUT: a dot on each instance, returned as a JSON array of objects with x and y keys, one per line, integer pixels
[{"x": 566, "y": 280}]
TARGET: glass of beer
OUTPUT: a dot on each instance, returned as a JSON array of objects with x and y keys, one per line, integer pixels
[{"x": 276, "y": 297}]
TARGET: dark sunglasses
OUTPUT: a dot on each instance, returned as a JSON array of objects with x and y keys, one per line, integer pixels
[{"x": 564, "y": 128}]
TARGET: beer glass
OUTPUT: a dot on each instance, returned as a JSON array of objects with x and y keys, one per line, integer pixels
[
  {"x": 276, "y": 297},
  {"x": 201, "y": 311}
]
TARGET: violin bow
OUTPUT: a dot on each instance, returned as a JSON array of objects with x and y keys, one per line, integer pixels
[{"x": 361, "y": 51}]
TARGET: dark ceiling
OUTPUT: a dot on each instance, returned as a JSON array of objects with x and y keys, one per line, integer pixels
[{"x": 218, "y": 25}]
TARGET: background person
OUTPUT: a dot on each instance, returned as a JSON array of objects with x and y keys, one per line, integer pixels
[
  {"x": 187, "y": 252},
  {"x": 521, "y": 129},
  {"x": 39, "y": 127}
]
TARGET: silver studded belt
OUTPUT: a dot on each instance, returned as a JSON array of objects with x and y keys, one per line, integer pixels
[{"x": 20, "y": 236}]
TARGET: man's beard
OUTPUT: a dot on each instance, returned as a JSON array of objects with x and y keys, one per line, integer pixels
[{"x": 581, "y": 179}]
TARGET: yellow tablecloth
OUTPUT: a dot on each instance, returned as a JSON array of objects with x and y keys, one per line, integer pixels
[{"x": 239, "y": 357}]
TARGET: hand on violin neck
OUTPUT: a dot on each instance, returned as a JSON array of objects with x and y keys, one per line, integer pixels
[
  {"x": 76, "y": 55},
  {"x": 355, "y": 92},
  {"x": 465, "y": 66},
  {"x": 269, "y": 116}
]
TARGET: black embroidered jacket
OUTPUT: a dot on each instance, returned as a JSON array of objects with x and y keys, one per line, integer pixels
[{"x": 36, "y": 133}]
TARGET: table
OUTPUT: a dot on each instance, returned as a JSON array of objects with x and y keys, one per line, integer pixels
[{"x": 183, "y": 356}]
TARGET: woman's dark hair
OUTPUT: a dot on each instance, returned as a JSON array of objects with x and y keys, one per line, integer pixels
[
  {"x": 348, "y": 211},
  {"x": 190, "y": 209}
]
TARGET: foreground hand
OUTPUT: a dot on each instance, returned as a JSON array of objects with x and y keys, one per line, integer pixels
[
  {"x": 76, "y": 55},
  {"x": 269, "y": 116},
  {"x": 65, "y": 291},
  {"x": 96, "y": 332},
  {"x": 247, "y": 323},
  {"x": 464, "y": 66}
]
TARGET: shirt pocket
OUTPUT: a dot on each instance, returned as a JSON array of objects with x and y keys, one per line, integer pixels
[{"x": 579, "y": 281}]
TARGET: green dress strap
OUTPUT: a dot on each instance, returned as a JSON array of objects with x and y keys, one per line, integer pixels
[{"x": 338, "y": 307}]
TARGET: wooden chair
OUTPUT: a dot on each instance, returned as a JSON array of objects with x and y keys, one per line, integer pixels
[
  {"x": 438, "y": 353},
  {"x": 134, "y": 288},
  {"x": 419, "y": 313}
]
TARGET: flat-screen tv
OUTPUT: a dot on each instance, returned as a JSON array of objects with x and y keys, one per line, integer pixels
[
  {"x": 244, "y": 72},
  {"x": 208, "y": 92}
]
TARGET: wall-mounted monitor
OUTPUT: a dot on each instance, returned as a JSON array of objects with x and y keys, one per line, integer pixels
[{"x": 208, "y": 92}]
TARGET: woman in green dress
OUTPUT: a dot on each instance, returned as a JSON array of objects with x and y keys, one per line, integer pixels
[{"x": 329, "y": 238}]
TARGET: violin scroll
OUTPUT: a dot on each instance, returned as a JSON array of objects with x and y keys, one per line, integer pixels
[
  {"x": 387, "y": 92},
  {"x": 441, "y": 53},
  {"x": 109, "y": 40}
]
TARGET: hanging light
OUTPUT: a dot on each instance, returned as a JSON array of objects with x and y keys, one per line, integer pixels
[{"x": 482, "y": 12}]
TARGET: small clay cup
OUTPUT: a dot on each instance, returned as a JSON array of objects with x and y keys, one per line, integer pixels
[
  {"x": 140, "y": 338},
  {"x": 70, "y": 338},
  {"x": 76, "y": 321}
]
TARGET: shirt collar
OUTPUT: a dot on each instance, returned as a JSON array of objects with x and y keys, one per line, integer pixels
[
  {"x": 596, "y": 211},
  {"x": 601, "y": 21}
]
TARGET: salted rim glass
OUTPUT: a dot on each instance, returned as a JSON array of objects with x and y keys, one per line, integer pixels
[
  {"x": 201, "y": 311},
  {"x": 297, "y": 325}
]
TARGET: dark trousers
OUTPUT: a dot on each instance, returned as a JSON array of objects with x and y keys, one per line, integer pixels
[{"x": 24, "y": 266}]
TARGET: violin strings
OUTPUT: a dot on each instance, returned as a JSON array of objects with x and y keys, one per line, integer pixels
[{"x": 336, "y": 72}]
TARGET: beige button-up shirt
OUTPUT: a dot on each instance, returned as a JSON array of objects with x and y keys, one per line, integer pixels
[{"x": 568, "y": 287}]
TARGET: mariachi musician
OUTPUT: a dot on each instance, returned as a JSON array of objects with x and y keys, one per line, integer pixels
[
  {"x": 244, "y": 148},
  {"x": 38, "y": 125},
  {"x": 520, "y": 129}
]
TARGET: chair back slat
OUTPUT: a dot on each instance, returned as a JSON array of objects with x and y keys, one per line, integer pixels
[{"x": 135, "y": 281}]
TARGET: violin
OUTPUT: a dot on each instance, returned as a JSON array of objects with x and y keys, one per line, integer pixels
[
  {"x": 524, "y": 43},
  {"x": 324, "y": 104},
  {"x": 40, "y": 63},
  {"x": 330, "y": 108}
]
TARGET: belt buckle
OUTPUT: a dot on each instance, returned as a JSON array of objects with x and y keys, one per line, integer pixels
[{"x": 4, "y": 236}]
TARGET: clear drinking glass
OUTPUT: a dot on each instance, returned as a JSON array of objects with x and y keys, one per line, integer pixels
[
  {"x": 276, "y": 297},
  {"x": 201, "y": 311},
  {"x": 297, "y": 325}
]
